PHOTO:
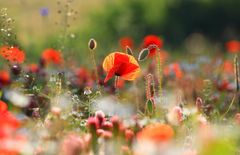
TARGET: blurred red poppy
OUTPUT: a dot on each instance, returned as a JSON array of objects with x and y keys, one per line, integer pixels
[
  {"x": 156, "y": 133},
  {"x": 233, "y": 46},
  {"x": 83, "y": 77},
  {"x": 126, "y": 42},
  {"x": 33, "y": 68},
  {"x": 3, "y": 106},
  {"x": 173, "y": 69},
  {"x": 8, "y": 127},
  {"x": 4, "y": 78},
  {"x": 121, "y": 64},
  {"x": 12, "y": 54},
  {"x": 52, "y": 56},
  {"x": 228, "y": 67},
  {"x": 7, "y": 121},
  {"x": 152, "y": 40}
]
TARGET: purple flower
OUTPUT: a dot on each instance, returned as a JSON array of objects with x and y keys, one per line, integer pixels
[{"x": 44, "y": 11}]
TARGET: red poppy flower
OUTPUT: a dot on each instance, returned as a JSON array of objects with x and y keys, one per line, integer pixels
[
  {"x": 83, "y": 77},
  {"x": 8, "y": 127},
  {"x": 52, "y": 56},
  {"x": 121, "y": 64},
  {"x": 3, "y": 106},
  {"x": 156, "y": 133},
  {"x": 4, "y": 78},
  {"x": 126, "y": 42},
  {"x": 8, "y": 123},
  {"x": 152, "y": 40},
  {"x": 233, "y": 46},
  {"x": 33, "y": 68},
  {"x": 174, "y": 68},
  {"x": 228, "y": 67},
  {"x": 12, "y": 54}
]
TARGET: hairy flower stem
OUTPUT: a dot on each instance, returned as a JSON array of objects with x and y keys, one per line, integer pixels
[
  {"x": 150, "y": 92},
  {"x": 236, "y": 69},
  {"x": 92, "y": 53},
  {"x": 159, "y": 74},
  {"x": 116, "y": 83}
]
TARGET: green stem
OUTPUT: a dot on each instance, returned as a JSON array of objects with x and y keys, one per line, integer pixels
[
  {"x": 159, "y": 72},
  {"x": 95, "y": 68}
]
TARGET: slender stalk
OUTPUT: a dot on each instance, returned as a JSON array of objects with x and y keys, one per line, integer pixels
[
  {"x": 230, "y": 106},
  {"x": 116, "y": 83},
  {"x": 92, "y": 53},
  {"x": 159, "y": 74},
  {"x": 236, "y": 69}
]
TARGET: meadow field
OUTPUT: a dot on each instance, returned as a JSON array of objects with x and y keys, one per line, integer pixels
[{"x": 119, "y": 77}]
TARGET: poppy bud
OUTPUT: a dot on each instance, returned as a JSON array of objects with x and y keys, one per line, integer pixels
[
  {"x": 92, "y": 44},
  {"x": 199, "y": 103},
  {"x": 56, "y": 111},
  {"x": 143, "y": 54},
  {"x": 100, "y": 132},
  {"x": 107, "y": 135},
  {"x": 107, "y": 125},
  {"x": 72, "y": 144},
  {"x": 129, "y": 135},
  {"x": 116, "y": 125},
  {"x": 93, "y": 124},
  {"x": 237, "y": 118},
  {"x": 129, "y": 50},
  {"x": 16, "y": 69},
  {"x": 100, "y": 116},
  {"x": 175, "y": 115}
]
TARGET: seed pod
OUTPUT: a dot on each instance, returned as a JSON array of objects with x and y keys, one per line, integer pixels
[
  {"x": 129, "y": 50},
  {"x": 143, "y": 54},
  {"x": 92, "y": 44}
]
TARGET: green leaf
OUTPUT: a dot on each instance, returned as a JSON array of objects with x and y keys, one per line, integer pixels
[
  {"x": 150, "y": 106},
  {"x": 143, "y": 54},
  {"x": 129, "y": 51}
]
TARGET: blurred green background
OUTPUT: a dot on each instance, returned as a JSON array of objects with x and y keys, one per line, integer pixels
[{"x": 108, "y": 20}]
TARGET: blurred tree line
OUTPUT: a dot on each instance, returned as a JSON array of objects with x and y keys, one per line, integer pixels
[{"x": 174, "y": 20}]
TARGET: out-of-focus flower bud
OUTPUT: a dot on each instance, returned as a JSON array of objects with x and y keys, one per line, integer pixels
[
  {"x": 72, "y": 145},
  {"x": 237, "y": 118},
  {"x": 175, "y": 115},
  {"x": 92, "y": 44},
  {"x": 56, "y": 111},
  {"x": 202, "y": 120},
  {"x": 107, "y": 135},
  {"x": 107, "y": 125},
  {"x": 199, "y": 103},
  {"x": 93, "y": 124},
  {"x": 16, "y": 69},
  {"x": 117, "y": 125},
  {"x": 129, "y": 134},
  {"x": 100, "y": 116}
]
